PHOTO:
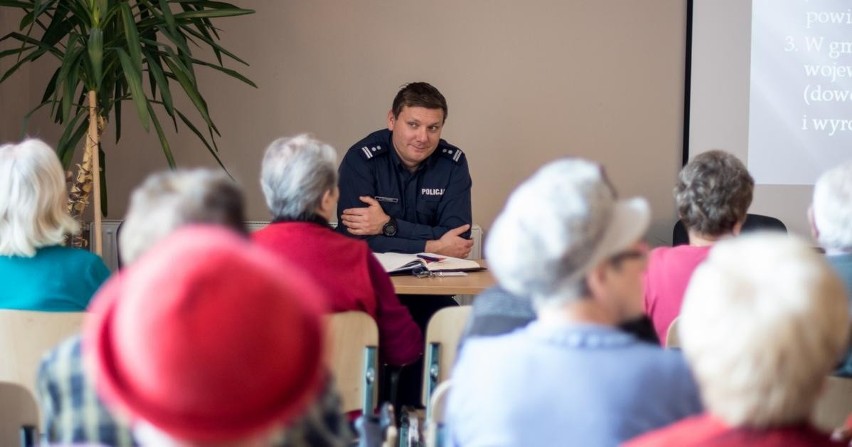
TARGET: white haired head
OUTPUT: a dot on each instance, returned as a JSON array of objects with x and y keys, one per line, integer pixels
[
  {"x": 33, "y": 199},
  {"x": 557, "y": 226},
  {"x": 295, "y": 174},
  {"x": 832, "y": 208},
  {"x": 763, "y": 322},
  {"x": 168, "y": 200}
]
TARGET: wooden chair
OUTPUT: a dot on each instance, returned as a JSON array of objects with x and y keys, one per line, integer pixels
[
  {"x": 25, "y": 336},
  {"x": 18, "y": 414},
  {"x": 442, "y": 340},
  {"x": 834, "y": 405},
  {"x": 672, "y": 336},
  {"x": 435, "y": 435},
  {"x": 352, "y": 345}
]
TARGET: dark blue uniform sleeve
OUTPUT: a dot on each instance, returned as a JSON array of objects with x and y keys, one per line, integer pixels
[{"x": 356, "y": 180}]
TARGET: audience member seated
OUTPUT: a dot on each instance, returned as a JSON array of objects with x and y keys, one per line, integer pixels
[
  {"x": 299, "y": 181},
  {"x": 163, "y": 203},
  {"x": 712, "y": 196},
  {"x": 571, "y": 376},
  {"x": 763, "y": 322},
  {"x": 36, "y": 271},
  {"x": 831, "y": 224},
  {"x": 230, "y": 354}
]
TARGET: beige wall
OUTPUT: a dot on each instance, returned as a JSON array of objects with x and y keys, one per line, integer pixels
[{"x": 526, "y": 82}]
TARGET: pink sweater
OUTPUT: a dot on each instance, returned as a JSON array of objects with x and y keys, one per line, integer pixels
[{"x": 668, "y": 273}]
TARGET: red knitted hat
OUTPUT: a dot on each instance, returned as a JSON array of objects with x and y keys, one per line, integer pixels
[{"x": 207, "y": 338}]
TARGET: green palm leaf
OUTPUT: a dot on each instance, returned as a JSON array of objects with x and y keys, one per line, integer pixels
[{"x": 130, "y": 50}]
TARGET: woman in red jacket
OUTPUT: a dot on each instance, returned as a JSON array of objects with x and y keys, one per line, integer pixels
[{"x": 299, "y": 181}]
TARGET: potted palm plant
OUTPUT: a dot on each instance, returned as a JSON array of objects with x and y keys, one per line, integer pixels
[{"x": 111, "y": 51}]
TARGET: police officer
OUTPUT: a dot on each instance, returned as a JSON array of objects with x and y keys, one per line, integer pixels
[{"x": 405, "y": 189}]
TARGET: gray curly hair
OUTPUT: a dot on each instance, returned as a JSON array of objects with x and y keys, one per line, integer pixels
[{"x": 713, "y": 193}]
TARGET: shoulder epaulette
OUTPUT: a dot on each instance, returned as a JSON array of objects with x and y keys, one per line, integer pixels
[
  {"x": 449, "y": 151},
  {"x": 371, "y": 150}
]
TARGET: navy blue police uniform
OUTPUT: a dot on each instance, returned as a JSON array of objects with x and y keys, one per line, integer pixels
[{"x": 426, "y": 203}]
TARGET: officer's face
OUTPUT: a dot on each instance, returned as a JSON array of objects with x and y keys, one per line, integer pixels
[{"x": 416, "y": 132}]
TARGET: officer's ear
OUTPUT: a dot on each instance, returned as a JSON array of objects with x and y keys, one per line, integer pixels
[{"x": 391, "y": 120}]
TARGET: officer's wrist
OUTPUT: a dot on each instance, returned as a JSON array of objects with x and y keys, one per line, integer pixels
[{"x": 432, "y": 247}]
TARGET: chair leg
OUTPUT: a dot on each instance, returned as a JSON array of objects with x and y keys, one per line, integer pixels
[{"x": 394, "y": 387}]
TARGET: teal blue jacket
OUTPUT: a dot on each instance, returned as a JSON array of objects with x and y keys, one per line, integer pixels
[{"x": 57, "y": 279}]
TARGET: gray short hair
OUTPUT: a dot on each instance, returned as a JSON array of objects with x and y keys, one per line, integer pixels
[
  {"x": 553, "y": 228},
  {"x": 757, "y": 302},
  {"x": 168, "y": 200},
  {"x": 295, "y": 174},
  {"x": 33, "y": 199},
  {"x": 832, "y": 207},
  {"x": 713, "y": 193}
]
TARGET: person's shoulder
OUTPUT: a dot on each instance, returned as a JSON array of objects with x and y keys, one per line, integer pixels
[
  {"x": 76, "y": 254},
  {"x": 689, "y": 431},
  {"x": 65, "y": 356},
  {"x": 496, "y": 348},
  {"x": 678, "y": 254},
  {"x": 372, "y": 146},
  {"x": 450, "y": 153},
  {"x": 653, "y": 359},
  {"x": 657, "y": 356}
]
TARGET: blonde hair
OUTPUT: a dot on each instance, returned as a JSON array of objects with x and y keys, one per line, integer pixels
[
  {"x": 33, "y": 199},
  {"x": 764, "y": 321}
]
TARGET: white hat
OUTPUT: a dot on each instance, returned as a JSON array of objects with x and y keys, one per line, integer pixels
[{"x": 559, "y": 224}]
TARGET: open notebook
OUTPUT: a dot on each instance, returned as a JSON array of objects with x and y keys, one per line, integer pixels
[{"x": 395, "y": 263}]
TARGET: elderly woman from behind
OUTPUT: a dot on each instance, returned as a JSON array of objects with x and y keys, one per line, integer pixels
[
  {"x": 712, "y": 196},
  {"x": 299, "y": 181},
  {"x": 38, "y": 273},
  {"x": 763, "y": 323}
]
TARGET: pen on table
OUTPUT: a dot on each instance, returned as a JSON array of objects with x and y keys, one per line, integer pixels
[{"x": 428, "y": 258}]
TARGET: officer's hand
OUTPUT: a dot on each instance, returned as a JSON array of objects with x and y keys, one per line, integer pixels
[
  {"x": 365, "y": 221},
  {"x": 451, "y": 243}
]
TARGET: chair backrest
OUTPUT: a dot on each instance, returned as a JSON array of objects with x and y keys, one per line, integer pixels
[
  {"x": 753, "y": 222},
  {"x": 834, "y": 404},
  {"x": 352, "y": 345},
  {"x": 25, "y": 336},
  {"x": 672, "y": 336},
  {"x": 442, "y": 340},
  {"x": 18, "y": 410}
]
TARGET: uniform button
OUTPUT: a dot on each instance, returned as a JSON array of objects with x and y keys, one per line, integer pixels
[{"x": 373, "y": 149}]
